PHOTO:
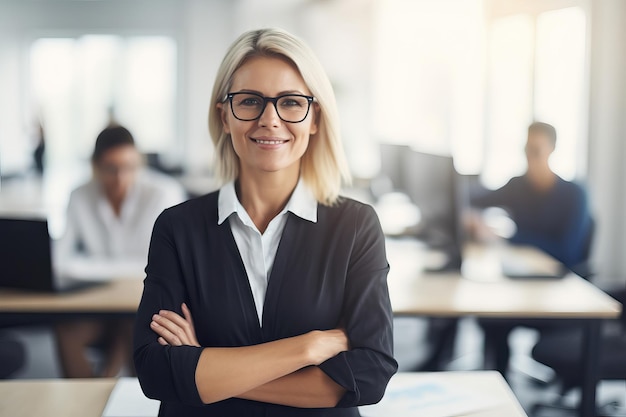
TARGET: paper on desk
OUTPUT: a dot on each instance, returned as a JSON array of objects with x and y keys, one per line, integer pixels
[
  {"x": 434, "y": 397},
  {"x": 127, "y": 400}
]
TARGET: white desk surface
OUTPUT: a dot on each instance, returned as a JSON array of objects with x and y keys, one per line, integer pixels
[{"x": 87, "y": 398}]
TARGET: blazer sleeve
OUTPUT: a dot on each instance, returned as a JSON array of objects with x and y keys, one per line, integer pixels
[
  {"x": 166, "y": 373},
  {"x": 366, "y": 368}
]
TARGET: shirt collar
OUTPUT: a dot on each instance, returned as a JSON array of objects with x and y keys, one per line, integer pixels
[{"x": 302, "y": 203}]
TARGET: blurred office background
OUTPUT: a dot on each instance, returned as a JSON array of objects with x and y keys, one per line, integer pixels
[
  {"x": 452, "y": 77},
  {"x": 459, "y": 77}
]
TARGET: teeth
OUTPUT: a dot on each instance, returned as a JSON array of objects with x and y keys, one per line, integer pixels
[{"x": 269, "y": 142}]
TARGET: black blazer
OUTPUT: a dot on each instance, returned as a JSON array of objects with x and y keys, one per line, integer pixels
[{"x": 325, "y": 274}]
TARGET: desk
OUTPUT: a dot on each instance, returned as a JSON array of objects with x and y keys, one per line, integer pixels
[
  {"x": 412, "y": 292},
  {"x": 119, "y": 297},
  {"x": 87, "y": 398},
  {"x": 416, "y": 293}
]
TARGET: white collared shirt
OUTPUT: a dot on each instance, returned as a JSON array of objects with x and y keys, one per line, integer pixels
[
  {"x": 258, "y": 250},
  {"x": 97, "y": 241}
]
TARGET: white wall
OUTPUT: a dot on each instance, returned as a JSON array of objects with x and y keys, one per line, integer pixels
[
  {"x": 12, "y": 125},
  {"x": 207, "y": 33},
  {"x": 607, "y": 138}
]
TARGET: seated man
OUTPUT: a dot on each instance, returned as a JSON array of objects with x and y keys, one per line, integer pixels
[
  {"x": 109, "y": 223},
  {"x": 550, "y": 214}
]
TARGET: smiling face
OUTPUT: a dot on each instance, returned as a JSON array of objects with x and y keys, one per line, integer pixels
[{"x": 268, "y": 144}]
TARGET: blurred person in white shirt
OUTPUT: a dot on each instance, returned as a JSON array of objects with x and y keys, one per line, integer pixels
[{"x": 109, "y": 223}]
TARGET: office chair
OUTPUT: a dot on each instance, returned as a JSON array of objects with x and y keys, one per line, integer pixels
[
  {"x": 550, "y": 351},
  {"x": 12, "y": 356}
]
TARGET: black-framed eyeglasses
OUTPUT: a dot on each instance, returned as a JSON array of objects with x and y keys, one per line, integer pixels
[{"x": 291, "y": 108}]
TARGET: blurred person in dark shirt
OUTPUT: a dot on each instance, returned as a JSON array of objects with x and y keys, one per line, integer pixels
[{"x": 549, "y": 213}]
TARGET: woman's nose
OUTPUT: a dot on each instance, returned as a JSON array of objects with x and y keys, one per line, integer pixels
[{"x": 269, "y": 117}]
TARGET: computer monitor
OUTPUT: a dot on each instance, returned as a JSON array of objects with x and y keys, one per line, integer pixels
[
  {"x": 392, "y": 166},
  {"x": 441, "y": 194}
]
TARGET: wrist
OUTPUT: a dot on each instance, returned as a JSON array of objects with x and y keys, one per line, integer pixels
[{"x": 309, "y": 354}]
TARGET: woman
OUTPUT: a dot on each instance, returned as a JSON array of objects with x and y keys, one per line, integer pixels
[
  {"x": 286, "y": 281},
  {"x": 109, "y": 220}
]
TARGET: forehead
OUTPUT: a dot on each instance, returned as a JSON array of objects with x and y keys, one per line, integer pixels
[
  {"x": 269, "y": 76},
  {"x": 120, "y": 153}
]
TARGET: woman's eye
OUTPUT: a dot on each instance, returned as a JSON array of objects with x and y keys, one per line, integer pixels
[
  {"x": 250, "y": 102},
  {"x": 290, "y": 102}
]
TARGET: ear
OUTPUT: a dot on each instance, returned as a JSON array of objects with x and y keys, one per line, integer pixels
[
  {"x": 315, "y": 121},
  {"x": 223, "y": 117}
]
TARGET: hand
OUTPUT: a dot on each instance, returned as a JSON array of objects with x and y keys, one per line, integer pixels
[
  {"x": 325, "y": 344},
  {"x": 173, "y": 329}
]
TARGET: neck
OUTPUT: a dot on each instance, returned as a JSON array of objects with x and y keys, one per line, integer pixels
[
  {"x": 542, "y": 178},
  {"x": 116, "y": 204},
  {"x": 264, "y": 196}
]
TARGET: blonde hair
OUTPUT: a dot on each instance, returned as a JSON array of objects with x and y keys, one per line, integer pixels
[{"x": 323, "y": 165}]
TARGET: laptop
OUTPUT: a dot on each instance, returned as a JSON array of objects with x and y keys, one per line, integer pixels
[
  {"x": 525, "y": 262},
  {"x": 26, "y": 260}
]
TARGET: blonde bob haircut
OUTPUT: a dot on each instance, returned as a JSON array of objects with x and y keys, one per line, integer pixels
[{"x": 323, "y": 165}]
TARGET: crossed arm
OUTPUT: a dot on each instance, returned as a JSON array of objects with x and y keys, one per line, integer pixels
[{"x": 280, "y": 372}]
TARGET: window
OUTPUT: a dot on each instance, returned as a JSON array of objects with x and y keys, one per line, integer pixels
[
  {"x": 466, "y": 78},
  {"x": 78, "y": 84},
  {"x": 560, "y": 87},
  {"x": 536, "y": 71},
  {"x": 428, "y": 83},
  {"x": 509, "y": 97}
]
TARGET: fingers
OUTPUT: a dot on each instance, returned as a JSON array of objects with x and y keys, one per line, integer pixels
[
  {"x": 171, "y": 327},
  {"x": 174, "y": 329},
  {"x": 162, "y": 327},
  {"x": 345, "y": 335},
  {"x": 342, "y": 338},
  {"x": 174, "y": 318}
]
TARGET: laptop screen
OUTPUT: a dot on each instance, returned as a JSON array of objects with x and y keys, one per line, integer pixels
[{"x": 25, "y": 254}]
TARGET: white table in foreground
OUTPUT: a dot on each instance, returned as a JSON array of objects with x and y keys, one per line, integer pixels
[
  {"x": 449, "y": 394},
  {"x": 87, "y": 398}
]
